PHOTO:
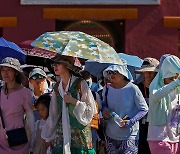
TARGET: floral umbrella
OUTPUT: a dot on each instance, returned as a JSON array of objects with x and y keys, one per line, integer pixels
[
  {"x": 39, "y": 53},
  {"x": 30, "y": 51},
  {"x": 77, "y": 44}
]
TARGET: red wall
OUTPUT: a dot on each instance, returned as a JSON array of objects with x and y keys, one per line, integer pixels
[
  {"x": 145, "y": 36},
  {"x": 30, "y": 21}
]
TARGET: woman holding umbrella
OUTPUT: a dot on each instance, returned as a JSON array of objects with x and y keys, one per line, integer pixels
[
  {"x": 71, "y": 110},
  {"x": 80, "y": 108}
]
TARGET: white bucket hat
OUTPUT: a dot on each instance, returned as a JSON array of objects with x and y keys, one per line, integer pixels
[
  {"x": 122, "y": 69},
  {"x": 15, "y": 64},
  {"x": 11, "y": 62}
]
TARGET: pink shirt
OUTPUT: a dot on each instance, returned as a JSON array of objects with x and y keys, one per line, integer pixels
[{"x": 13, "y": 110}]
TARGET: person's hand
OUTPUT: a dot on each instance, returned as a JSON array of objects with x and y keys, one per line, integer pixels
[
  {"x": 124, "y": 122},
  {"x": 178, "y": 77},
  {"x": 47, "y": 144},
  {"x": 106, "y": 113},
  {"x": 69, "y": 99}
]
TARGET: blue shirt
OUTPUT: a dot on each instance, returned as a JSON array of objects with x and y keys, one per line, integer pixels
[{"x": 124, "y": 101}]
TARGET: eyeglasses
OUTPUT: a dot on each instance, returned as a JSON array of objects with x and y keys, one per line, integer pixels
[
  {"x": 112, "y": 72},
  {"x": 38, "y": 76}
]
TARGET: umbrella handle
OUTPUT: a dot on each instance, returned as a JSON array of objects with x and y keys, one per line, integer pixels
[
  {"x": 70, "y": 78},
  {"x": 69, "y": 83}
]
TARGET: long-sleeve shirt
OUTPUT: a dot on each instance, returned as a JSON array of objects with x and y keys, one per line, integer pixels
[
  {"x": 159, "y": 103},
  {"x": 125, "y": 101},
  {"x": 83, "y": 111}
]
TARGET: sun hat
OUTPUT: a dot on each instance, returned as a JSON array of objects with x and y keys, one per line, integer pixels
[
  {"x": 65, "y": 61},
  {"x": 149, "y": 65},
  {"x": 12, "y": 63},
  {"x": 37, "y": 71},
  {"x": 122, "y": 69},
  {"x": 69, "y": 61},
  {"x": 15, "y": 64}
]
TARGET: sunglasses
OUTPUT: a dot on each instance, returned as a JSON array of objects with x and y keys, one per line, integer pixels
[
  {"x": 37, "y": 77},
  {"x": 112, "y": 72}
]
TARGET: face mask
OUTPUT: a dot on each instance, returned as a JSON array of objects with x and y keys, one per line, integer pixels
[
  {"x": 45, "y": 86},
  {"x": 31, "y": 86}
]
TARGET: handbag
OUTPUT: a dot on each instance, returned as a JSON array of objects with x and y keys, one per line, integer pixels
[{"x": 16, "y": 136}]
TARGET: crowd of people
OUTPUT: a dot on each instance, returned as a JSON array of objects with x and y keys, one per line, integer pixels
[{"x": 70, "y": 113}]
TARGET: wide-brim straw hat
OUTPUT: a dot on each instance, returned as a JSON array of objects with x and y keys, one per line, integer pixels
[
  {"x": 68, "y": 61},
  {"x": 149, "y": 65}
]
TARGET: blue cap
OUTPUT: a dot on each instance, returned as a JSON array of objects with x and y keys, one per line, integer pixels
[{"x": 37, "y": 71}]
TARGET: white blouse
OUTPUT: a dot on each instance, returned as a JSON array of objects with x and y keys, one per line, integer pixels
[{"x": 84, "y": 110}]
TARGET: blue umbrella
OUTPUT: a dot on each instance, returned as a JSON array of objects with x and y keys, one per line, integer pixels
[
  {"x": 131, "y": 60},
  {"x": 96, "y": 68},
  {"x": 10, "y": 49}
]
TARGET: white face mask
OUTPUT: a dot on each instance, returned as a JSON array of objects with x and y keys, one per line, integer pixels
[
  {"x": 31, "y": 86},
  {"x": 45, "y": 85}
]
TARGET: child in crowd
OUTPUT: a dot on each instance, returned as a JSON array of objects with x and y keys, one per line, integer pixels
[{"x": 42, "y": 106}]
